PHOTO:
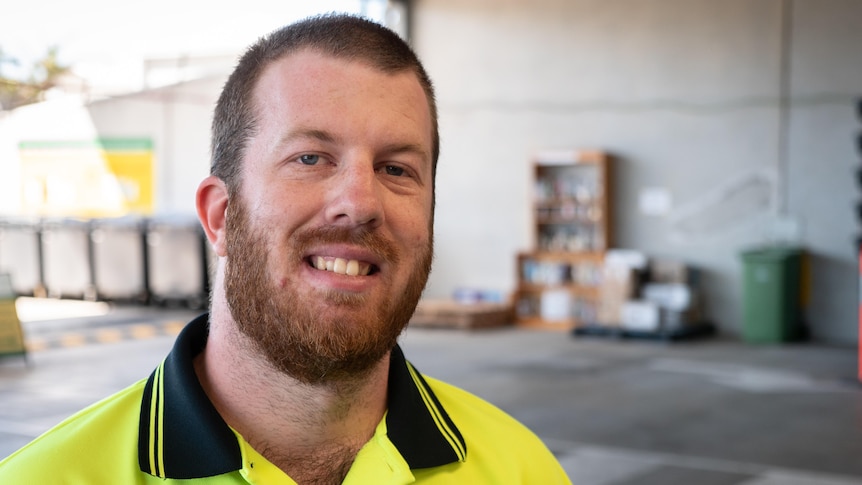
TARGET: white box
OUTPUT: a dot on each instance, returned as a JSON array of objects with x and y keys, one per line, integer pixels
[
  {"x": 640, "y": 315},
  {"x": 556, "y": 305},
  {"x": 668, "y": 296},
  {"x": 628, "y": 258}
]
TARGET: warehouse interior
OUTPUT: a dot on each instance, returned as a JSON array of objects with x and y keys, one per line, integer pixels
[
  {"x": 731, "y": 125},
  {"x": 727, "y": 127},
  {"x": 692, "y": 97}
]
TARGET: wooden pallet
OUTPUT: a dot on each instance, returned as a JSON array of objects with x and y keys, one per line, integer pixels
[{"x": 451, "y": 314}]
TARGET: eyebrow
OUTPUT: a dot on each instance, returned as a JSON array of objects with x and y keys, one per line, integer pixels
[
  {"x": 307, "y": 133},
  {"x": 407, "y": 148},
  {"x": 327, "y": 137}
]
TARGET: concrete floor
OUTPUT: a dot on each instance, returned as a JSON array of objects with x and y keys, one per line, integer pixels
[{"x": 700, "y": 412}]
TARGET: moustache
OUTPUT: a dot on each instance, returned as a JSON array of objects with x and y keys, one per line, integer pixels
[{"x": 367, "y": 239}]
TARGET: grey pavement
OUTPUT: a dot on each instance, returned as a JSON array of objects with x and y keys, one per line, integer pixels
[{"x": 702, "y": 412}]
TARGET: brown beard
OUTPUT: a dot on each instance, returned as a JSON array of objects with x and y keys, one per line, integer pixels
[{"x": 300, "y": 338}]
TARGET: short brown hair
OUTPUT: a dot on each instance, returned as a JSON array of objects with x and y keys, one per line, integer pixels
[{"x": 338, "y": 35}]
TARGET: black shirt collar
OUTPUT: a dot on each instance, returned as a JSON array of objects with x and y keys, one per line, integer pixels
[{"x": 182, "y": 436}]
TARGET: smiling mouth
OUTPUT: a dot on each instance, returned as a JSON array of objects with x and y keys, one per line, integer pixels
[{"x": 348, "y": 267}]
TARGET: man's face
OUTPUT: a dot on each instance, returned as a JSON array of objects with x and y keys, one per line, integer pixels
[{"x": 329, "y": 235}]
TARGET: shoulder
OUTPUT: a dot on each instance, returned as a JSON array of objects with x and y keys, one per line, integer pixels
[
  {"x": 474, "y": 413},
  {"x": 498, "y": 445},
  {"x": 94, "y": 444}
]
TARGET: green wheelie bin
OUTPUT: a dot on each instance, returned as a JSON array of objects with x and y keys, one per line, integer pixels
[{"x": 773, "y": 296}]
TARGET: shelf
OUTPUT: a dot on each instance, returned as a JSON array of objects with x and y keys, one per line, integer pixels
[
  {"x": 596, "y": 257},
  {"x": 578, "y": 290},
  {"x": 539, "y": 324},
  {"x": 552, "y": 202},
  {"x": 572, "y": 230},
  {"x": 560, "y": 220}
]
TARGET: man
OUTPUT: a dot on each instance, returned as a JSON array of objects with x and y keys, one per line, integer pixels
[{"x": 320, "y": 207}]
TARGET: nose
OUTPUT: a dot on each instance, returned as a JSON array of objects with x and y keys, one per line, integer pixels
[{"x": 356, "y": 197}]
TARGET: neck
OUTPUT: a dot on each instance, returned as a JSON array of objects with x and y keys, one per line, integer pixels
[{"x": 286, "y": 420}]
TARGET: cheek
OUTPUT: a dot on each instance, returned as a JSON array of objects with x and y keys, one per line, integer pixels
[
  {"x": 282, "y": 213},
  {"x": 414, "y": 229}
]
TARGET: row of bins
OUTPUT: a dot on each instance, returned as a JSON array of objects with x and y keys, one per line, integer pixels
[{"x": 159, "y": 261}]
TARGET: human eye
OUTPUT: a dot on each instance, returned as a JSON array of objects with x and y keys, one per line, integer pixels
[
  {"x": 309, "y": 159},
  {"x": 394, "y": 170}
]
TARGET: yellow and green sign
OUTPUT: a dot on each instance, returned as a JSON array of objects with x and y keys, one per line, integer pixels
[
  {"x": 11, "y": 336},
  {"x": 105, "y": 177}
]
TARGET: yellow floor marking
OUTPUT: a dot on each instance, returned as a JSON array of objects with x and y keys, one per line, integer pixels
[
  {"x": 72, "y": 340},
  {"x": 109, "y": 335},
  {"x": 35, "y": 345},
  {"x": 174, "y": 327},
  {"x": 142, "y": 331}
]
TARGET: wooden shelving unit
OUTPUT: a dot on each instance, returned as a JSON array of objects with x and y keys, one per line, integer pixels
[{"x": 558, "y": 281}]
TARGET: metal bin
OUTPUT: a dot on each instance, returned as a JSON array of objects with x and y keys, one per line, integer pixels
[
  {"x": 67, "y": 259},
  {"x": 177, "y": 262},
  {"x": 119, "y": 259},
  {"x": 21, "y": 256}
]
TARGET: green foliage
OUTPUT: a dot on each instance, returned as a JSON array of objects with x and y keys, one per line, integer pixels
[{"x": 42, "y": 76}]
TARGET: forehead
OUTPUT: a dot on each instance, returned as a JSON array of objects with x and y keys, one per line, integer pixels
[
  {"x": 309, "y": 71},
  {"x": 319, "y": 91}
]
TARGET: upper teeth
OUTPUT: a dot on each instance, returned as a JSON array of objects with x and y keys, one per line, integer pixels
[{"x": 350, "y": 267}]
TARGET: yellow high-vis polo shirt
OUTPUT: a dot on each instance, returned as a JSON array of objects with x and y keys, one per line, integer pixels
[{"x": 165, "y": 430}]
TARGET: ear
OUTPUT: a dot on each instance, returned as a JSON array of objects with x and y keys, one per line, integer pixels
[{"x": 211, "y": 202}]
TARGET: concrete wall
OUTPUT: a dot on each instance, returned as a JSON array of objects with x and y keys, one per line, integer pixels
[
  {"x": 177, "y": 119},
  {"x": 687, "y": 95}
]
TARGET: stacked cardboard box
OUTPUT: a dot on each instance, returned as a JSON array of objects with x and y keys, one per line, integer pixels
[
  {"x": 646, "y": 295},
  {"x": 621, "y": 276},
  {"x": 673, "y": 288}
]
